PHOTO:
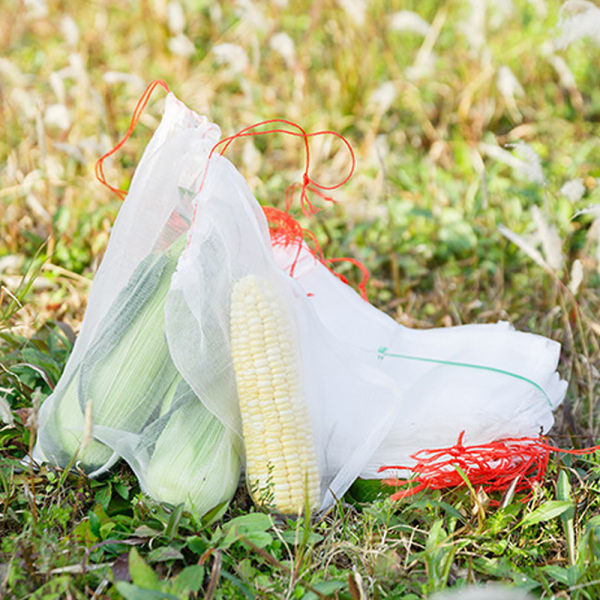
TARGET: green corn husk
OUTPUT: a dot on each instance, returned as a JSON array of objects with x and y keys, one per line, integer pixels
[
  {"x": 139, "y": 401},
  {"x": 126, "y": 373},
  {"x": 196, "y": 460}
]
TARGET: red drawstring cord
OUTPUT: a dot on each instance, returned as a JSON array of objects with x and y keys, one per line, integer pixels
[
  {"x": 308, "y": 184},
  {"x": 284, "y": 230},
  {"x": 137, "y": 113}
]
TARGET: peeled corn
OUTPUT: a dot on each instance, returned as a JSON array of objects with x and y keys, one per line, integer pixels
[{"x": 281, "y": 462}]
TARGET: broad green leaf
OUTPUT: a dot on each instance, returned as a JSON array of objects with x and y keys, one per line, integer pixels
[
  {"x": 327, "y": 588},
  {"x": 141, "y": 574},
  {"x": 164, "y": 553},
  {"x": 103, "y": 495},
  {"x": 122, "y": 490},
  {"x": 197, "y": 545},
  {"x": 106, "y": 528},
  {"x": 129, "y": 591},
  {"x": 559, "y": 573},
  {"x": 547, "y": 511},
  {"x": 250, "y": 522},
  {"x": 189, "y": 581},
  {"x": 251, "y": 527},
  {"x": 259, "y": 538},
  {"x": 292, "y": 537}
]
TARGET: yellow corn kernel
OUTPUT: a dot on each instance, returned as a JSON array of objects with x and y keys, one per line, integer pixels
[{"x": 280, "y": 453}]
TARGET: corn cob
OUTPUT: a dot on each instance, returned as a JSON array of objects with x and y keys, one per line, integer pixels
[
  {"x": 281, "y": 462},
  {"x": 196, "y": 460},
  {"x": 126, "y": 372}
]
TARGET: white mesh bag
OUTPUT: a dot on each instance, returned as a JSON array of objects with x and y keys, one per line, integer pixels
[
  {"x": 120, "y": 394},
  {"x": 310, "y": 407},
  {"x": 151, "y": 377},
  {"x": 487, "y": 380}
]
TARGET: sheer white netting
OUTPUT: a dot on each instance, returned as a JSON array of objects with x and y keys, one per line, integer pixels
[
  {"x": 487, "y": 380},
  {"x": 120, "y": 364},
  {"x": 350, "y": 402}
]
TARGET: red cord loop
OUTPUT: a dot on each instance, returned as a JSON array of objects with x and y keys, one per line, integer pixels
[
  {"x": 284, "y": 229},
  {"x": 137, "y": 113},
  {"x": 308, "y": 184}
]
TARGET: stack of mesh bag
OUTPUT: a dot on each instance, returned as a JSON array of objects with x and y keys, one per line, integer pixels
[{"x": 210, "y": 347}]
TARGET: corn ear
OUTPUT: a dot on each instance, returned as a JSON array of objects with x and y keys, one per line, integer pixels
[
  {"x": 196, "y": 460},
  {"x": 126, "y": 372},
  {"x": 281, "y": 463}
]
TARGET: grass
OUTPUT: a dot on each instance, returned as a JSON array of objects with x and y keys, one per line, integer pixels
[{"x": 423, "y": 212}]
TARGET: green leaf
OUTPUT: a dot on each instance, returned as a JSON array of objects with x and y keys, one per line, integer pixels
[
  {"x": 214, "y": 513},
  {"x": 261, "y": 539},
  {"x": 130, "y": 591},
  {"x": 451, "y": 511},
  {"x": 246, "y": 591},
  {"x": 106, "y": 528},
  {"x": 94, "y": 521},
  {"x": 122, "y": 490},
  {"x": 327, "y": 588},
  {"x": 189, "y": 581},
  {"x": 293, "y": 538},
  {"x": 55, "y": 589},
  {"x": 436, "y": 535},
  {"x": 164, "y": 553},
  {"x": 141, "y": 574},
  {"x": 251, "y": 527},
  {"x": 145, "y": 531},
  {"x": 367, "y": 490},
  {"x": 563, "y": 493},
  {"x": 250, "y": 522},
  {"x": 547, "y": 511},
  {"x": 103, "y": 495},
  {"x": 197, "y": 545},
  {"x": 174, "y": 519},
  {"x": 560, "y": 574}
]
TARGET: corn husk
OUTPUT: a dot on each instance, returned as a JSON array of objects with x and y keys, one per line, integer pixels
[
  {"x": 196, "y": 460},
  {"x": 126, "y": 373}
]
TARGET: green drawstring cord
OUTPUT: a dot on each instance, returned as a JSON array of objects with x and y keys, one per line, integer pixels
[{"x": 383, "y": 353}]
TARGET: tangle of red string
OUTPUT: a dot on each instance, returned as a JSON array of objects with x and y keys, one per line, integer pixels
[
  {"x": 137, "y": 113},
  {"x": 308, "y": 184},
  {"x": 284, "y": 229},
  {"x": 492, "y": 467}
]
